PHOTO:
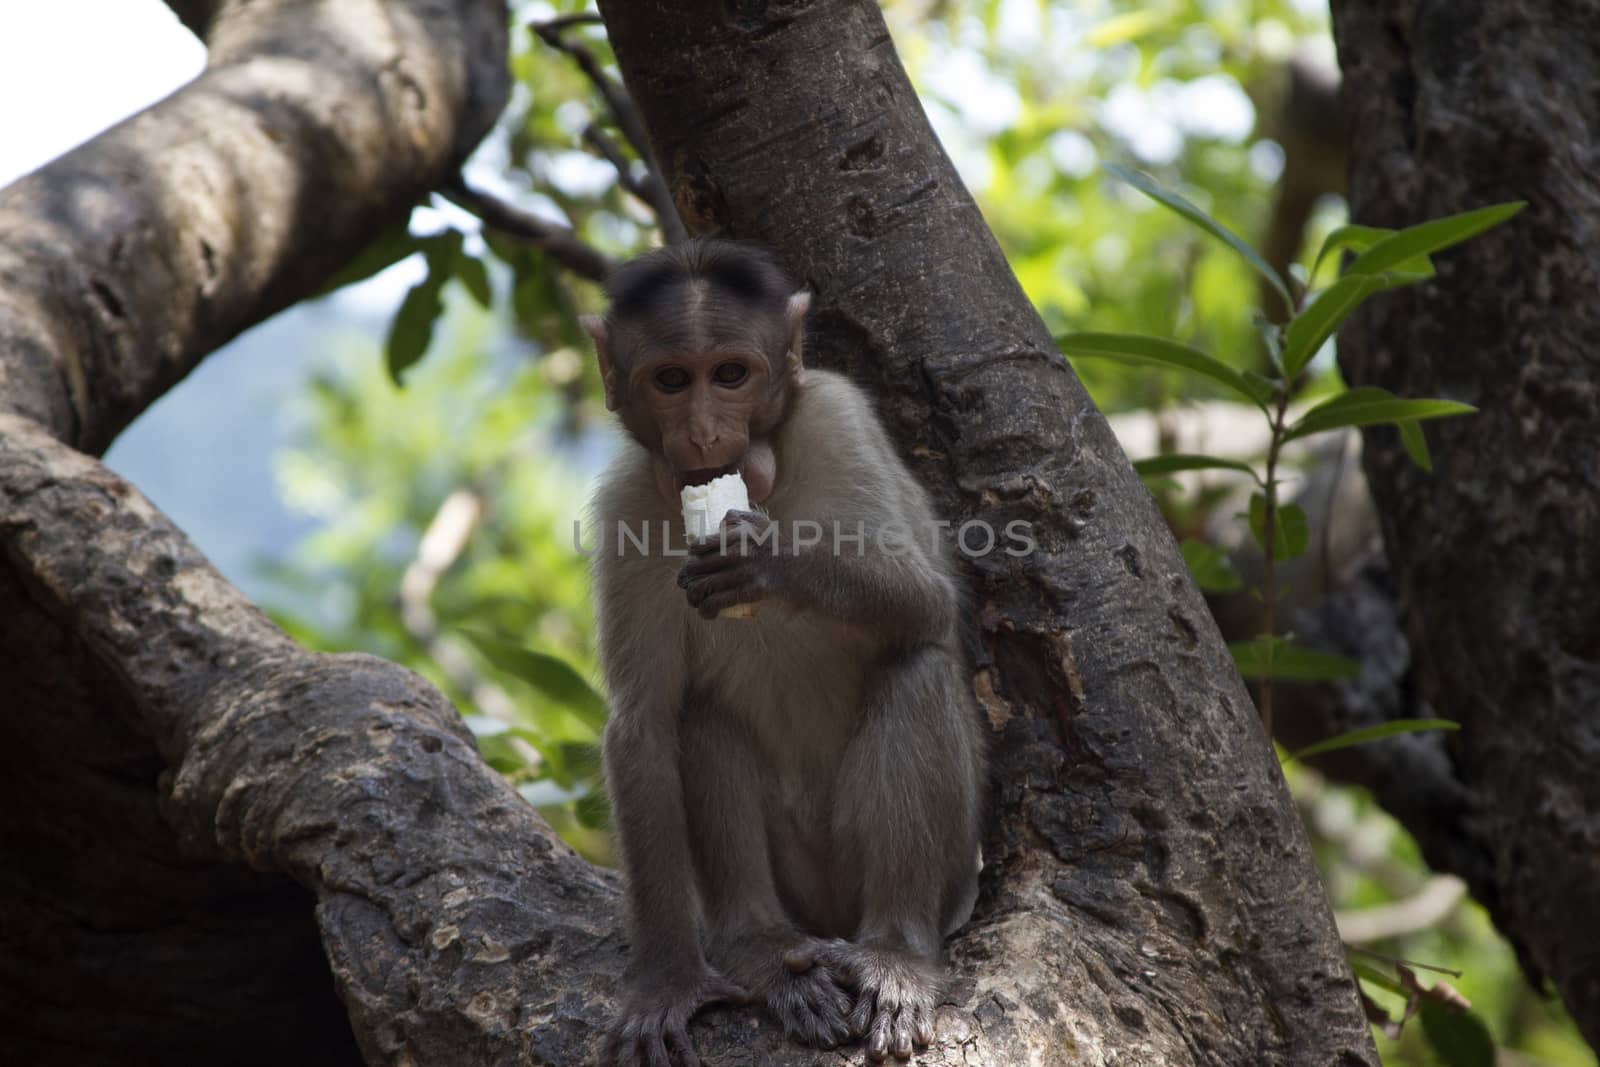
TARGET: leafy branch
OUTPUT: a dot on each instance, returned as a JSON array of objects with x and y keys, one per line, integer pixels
[{"x": 1383, "y": 259}]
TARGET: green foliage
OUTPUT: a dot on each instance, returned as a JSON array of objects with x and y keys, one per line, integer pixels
[
  {"x": 550, "y": 675},
  {"x": 508, "y": 640},
  {"x": 1370, "y": 406},
  {"x": 1160, "y": 352},
  {"x": 1145, "y": 184},
  {"x": 1367, "y": 735},
  {"x": 1269, "y": 657},
  {"x": 1458, "y": 1038}
]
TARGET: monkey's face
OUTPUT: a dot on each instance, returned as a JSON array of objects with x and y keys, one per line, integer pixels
[
  {"x": 707, "y": 412},
  {"x": 703, "y": 383}
]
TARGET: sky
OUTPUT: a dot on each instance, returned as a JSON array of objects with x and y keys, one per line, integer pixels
[{"x": 80, "y": 66}]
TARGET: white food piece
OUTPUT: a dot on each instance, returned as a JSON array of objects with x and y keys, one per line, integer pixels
[{"x": 704, "y": 508}]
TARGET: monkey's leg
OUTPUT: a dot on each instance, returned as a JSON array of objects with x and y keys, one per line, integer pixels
[
  {"x": 905, "y": 825},
  {"x": 750, "y": 938},
  {"x": 669, "y": 978}
]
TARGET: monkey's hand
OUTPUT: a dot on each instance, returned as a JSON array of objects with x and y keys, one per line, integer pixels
[
  {"x": 652, "y": 1026},
  {"x": 738, "y": 565},
  {"x": 896, "y": 993}
]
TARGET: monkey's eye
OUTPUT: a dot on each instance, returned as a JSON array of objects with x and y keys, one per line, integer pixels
[
  {"x": 729, "y": 373},
  {"x": 672, "y": 379}
]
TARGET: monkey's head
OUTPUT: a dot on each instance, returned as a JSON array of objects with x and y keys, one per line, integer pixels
[{"x": 700, "y": 354}]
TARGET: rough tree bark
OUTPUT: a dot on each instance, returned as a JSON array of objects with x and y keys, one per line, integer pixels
[
  {"x": 191, "y": 805},
  {"x": 1454, "y": 106}
]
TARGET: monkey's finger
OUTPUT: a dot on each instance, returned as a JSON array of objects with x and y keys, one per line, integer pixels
[
  {"x": 703, "y": 565},
  {"x": 878, "y": 1038},
  {"x": 800, "y": 959},
  {"x": 655, "y": 1049},
  {"x": 902, "y": 1035},
  {"x": 723, "y": 991},
  {"x": 702, "y": 586},
  {"x": 716, "y": 603},
  {"x": 861, "y": 1016},
  {"x": 682, "y": 1048},
  {"x": 923, "y": 1030}
]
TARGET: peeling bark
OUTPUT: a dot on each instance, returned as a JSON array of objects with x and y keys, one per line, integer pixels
[
  {"x": 1454, "y": 106},
  {"x": 197, "y": 804}
]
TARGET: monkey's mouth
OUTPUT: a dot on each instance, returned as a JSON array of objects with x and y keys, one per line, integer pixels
[{"x": 702, "y": 475}]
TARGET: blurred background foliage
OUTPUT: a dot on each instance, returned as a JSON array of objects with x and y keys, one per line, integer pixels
[{"x": 445, "y": 510}]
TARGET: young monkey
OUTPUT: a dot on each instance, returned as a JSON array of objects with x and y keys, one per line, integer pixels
[{"x": 796, "y": 794}]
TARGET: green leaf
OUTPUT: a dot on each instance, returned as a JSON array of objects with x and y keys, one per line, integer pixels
[
  {"x": 1368, "y": 734},
  {"x": 390, "y": 247},
  {"x": 412, "y": 329},
  {"x": 1291, "y": 531},
  {"x": 550, "y": 675},
  {"x": 594, "y": 810},
  {"x": 1136, "y": 350},
  {"x": 1361, "y": 238},
  {"x": 1315, "y": 324},
  {"x": 1271, "y": 336},
  {"x": 1275, "y": 657},
  {"x": 1416, "y": 444},
  {"x": 1368, "y": 406},
  {"x": 1212, "y": 569},
  {"x": 1148, "y": 186},
  {"x": 1392, "y": 252},
  {"x": 443, "y": 249},
  {"x": 1178, "y": 461},
  {"x": 1459, "y": 1038},
  {"x": 1368, "y": 973},
  {"x": 474, "y": 277}
]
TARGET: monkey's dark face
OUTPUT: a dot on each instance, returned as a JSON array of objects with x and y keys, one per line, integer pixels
[
  {"x": 702, "y": 383},
  {"x": 707, "y": 412}
]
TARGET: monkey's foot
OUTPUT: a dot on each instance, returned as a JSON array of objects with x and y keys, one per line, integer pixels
[
  {"x": 896, "y": 993},
  {"x": 792, "y": 974},
  {"x": 810, "y": 996},
  {"x": 651, "y": 1028}
]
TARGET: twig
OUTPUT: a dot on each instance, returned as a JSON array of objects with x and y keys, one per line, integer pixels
[
  {"x": 1422, "y": 910},
  {"x": 1401, "y": 960},
  {"x": 649, "y": 188},
  {"x": 652, "y": 190},
  {"x": 441, "y": 545},
  {"x": 559, "y": 242},
  {"x": 565, "y": 22},
  {"x": 596, "y": 138},
  {"x": 1269, "y": 519}
]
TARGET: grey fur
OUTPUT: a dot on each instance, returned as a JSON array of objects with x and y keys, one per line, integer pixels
[{"x": 804, "y": 784}]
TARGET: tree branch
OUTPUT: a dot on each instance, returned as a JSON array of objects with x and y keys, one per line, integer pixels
[
  {"x": 559, "y": 242},
  {"x": 650, "y": 189},
  {"x": 1138, "y": 811},
  {"x": 130, "y": 258}
]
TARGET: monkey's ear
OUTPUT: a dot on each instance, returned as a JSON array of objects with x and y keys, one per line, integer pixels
[
  {"x": 595, "y": 327},
  {"x": 795, "y": 313}
]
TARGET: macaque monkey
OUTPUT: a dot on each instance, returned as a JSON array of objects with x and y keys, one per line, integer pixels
[{"x": 796, "y": 794}]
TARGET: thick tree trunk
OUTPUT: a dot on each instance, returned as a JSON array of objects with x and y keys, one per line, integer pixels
[
  {"x": 192, "y": 803},
  {"x": 1454, "y": 106},
  {"x": 1148, "y": 890}
]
